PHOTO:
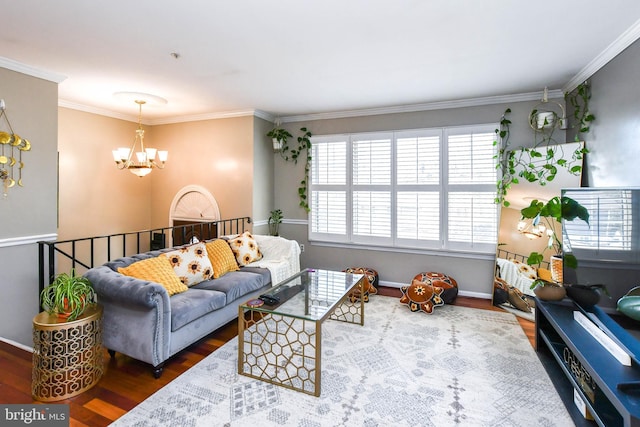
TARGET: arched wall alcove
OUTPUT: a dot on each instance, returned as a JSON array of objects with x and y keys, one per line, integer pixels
[{"x": 192, "y": 204}]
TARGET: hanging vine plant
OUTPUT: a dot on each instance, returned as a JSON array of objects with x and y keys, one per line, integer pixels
[
  {"x": 540, "y": 162},
  {"x": 293, "y": 154}
]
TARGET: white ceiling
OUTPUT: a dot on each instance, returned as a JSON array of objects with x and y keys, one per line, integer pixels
[{"x": 300, "y": 57}]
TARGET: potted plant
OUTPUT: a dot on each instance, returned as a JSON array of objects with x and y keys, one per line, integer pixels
[
  {"x": 555, "y": 209},
  {"x": 275, "y": 218},
  {"x": 279, "y": 138},
  {"x": 548, "y": 291},
  {"x": 68, "y": 296}
]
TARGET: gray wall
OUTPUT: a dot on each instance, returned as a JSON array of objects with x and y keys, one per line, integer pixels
[
  {"x": 28, "y": 213},
  {"x": 474, "y": 274},
  {"x": 263, "y": 159},
  {"x": 614, "y": 145},
  {"x": 614, "y": 139}
]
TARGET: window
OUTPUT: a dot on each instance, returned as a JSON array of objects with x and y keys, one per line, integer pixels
[
  {"x": 426, "y": 189},
  {"x": 612, "y": 229}
]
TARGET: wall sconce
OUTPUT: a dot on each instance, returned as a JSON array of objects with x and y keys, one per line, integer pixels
[
  {"x": 9, "y": 143},
  {"x": 547, "y": 115}
]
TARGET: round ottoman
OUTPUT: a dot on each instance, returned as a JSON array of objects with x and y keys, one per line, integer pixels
[
  {"x": 421, "y": 296},
  {"x": 369, "y": 287},
  {"x": 448, "y": 284}
]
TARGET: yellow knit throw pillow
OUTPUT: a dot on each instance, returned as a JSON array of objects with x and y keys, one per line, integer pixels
[
  {"x": 158, "y": 270},
  {"x": 221, "y": 257}
]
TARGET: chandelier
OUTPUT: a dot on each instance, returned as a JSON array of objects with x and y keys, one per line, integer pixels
[
  {"x": 142, "y": 162},
  {"x": 533, "y": 229}
]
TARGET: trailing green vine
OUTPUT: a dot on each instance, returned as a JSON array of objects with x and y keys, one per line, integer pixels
[
  {"x": 579, "y": 101},
  {"x": 301, "y": 150},
  {"x": 541, "y": 162}
]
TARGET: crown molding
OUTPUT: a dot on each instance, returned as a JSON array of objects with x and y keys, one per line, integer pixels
[
  {"x": 99, "y": 111},
  {"x": 625, "y": 40},
  {"x": 212, "y": 116},
  {"x": 31, "y": 71},
  {"x": 163, "y": 121},
  {"x": 439, "y": 105}
]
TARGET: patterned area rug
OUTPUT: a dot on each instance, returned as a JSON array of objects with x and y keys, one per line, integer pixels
[{"x": 458, "y": 366}]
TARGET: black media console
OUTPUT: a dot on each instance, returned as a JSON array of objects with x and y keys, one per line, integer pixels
[{"x": 609, "y": 390}]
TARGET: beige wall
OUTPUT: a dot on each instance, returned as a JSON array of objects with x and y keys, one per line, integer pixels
[
  {"x": 215, "y": 154},
  {"x": 95, "y": 197}
]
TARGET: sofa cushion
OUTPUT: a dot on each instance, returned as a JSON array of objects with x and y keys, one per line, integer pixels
[
  {"x": 234, "y": 285},
  {"x": 264, "y": 272},
  {"x": 245, "y": 248},
  {"x": 221, "y": 258},
  {"x": 192, "y": 304},
  {"x": 158, "y": 270},
  {"x": 191, "y": 263}
]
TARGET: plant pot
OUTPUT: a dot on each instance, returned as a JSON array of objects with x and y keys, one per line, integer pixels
[
  {"x": 277, "y": 144},
  {"x": 629, "y": 304},
  {"x": 274, "y": 228},
  {"x": 68, "y": 309},
  {"x": 556, "y": 269},
  {"x": 550, "y": 292},
  {"x": 583, "y": 295}
]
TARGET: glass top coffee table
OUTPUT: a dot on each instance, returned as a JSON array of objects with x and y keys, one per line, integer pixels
[{"x": 280, "y": 336}]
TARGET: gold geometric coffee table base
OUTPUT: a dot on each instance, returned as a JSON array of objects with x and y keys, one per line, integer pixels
[{"x": 285, "y": 350}]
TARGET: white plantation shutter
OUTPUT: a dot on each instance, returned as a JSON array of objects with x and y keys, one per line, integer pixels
[
  {"x": 425, "y": 188},
  {"x": 328, "y": 189},
  {"x": 472, "y": 215},
  {"x": 610, "y": 233},
  {"x": 418, "y": 171},
  {"x": 418, "y": 158},
  {"x": 419, "y": 216},
  {"x": 471, "y": 157},
  {"x": 371, "y": 185}
]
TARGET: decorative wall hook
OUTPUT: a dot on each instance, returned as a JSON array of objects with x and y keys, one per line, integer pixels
[{"x": 10, "y": 145}]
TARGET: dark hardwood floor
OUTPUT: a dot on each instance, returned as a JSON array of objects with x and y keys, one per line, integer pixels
[{"x": 127, "y": 382}]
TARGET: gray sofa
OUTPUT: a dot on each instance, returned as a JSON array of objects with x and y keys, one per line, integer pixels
[{"x": 142, "y": 321}]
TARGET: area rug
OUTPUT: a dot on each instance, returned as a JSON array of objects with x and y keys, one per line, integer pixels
[{"x": 457, "y": 366}]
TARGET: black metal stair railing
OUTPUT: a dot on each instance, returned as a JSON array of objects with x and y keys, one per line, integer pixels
[{"x": 85, "y": 253}]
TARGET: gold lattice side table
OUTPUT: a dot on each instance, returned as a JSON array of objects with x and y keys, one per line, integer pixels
[{"x": 67, "y": 356}]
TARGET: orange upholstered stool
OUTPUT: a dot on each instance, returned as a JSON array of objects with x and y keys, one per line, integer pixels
[
  {"x": 421, "y": 296},
  {"x": 447, "y": 283},
  {"x": 369, "y": 287}
]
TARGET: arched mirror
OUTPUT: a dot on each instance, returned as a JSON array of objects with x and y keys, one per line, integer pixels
[{"x": 517, "y": 239}]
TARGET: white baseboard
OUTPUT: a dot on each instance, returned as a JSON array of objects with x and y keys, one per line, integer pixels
[
  {"x": 461, "y": 292},
  {"x": 17, "y": 344}
]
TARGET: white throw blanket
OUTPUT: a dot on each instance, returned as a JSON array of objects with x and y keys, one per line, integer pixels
[
  {"x": 279, "y": 255},
  {"x": 510, "y": 273}
]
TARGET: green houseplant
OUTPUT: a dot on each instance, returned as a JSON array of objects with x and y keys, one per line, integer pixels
[
  {"x": 301, "y": 151},
  {"x": 540, "y": 161},
  {"x": 275, "y": 219},
  {"x": 68, "y": 296},
  {"x": 557, "y": 208},
  {"x": 279, "y": 136}
]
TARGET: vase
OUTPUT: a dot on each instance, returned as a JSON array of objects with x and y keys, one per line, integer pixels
[
  {"x": 556, "y": 269},
  {"x": 629, "y": 304},
  {"x": 583, "y": 295},
  {"x": 550, "y": 292},
  {"x": 273, "y": 228}
]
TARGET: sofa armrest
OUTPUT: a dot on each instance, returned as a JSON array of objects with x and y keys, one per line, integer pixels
[
  {"x": 136, "y": 315},
  {"x": 126, "y": 290}
]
